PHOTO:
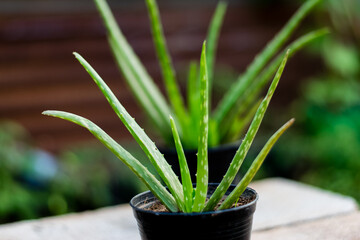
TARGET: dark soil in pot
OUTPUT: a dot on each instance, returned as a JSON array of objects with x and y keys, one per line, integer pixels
[
  {"x": 219, "y": 159},
  {"x": 234, "y": 223}
]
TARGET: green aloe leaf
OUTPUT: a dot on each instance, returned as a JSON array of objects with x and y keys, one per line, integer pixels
[
  {"x": 190, "y": 139},
  {"x": 184, "y": 169},
  {"x": 231, "y": 97},
  {"x": 202, "y": 174},
  {"x": 246, "y": 143},
  {"x": 241, "y": 122},
  {"x": 252, "y": 92},
  {"x": 167, "y": 68},
  {"x": 240, "y": 188},
  {"x": 295, "y": 47},
  {"x": 212, "y": 39},
  {"x": 142, "y": 85},
  {"x": 142, "y": 172},
  {"x": 147, "y": 145}
]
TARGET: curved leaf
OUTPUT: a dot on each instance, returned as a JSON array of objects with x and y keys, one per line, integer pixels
[{"x": 142, "y": 172}]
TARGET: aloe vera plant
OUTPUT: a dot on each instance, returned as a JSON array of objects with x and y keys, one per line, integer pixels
[
  {"x": 232, "y": 115},
  {"x": 182, "y": 196}
]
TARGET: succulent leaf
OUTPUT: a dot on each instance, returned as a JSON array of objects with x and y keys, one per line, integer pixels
[
  {"x": 202, "y": 155},
  {"x": 184, "y": 169},
  {"x": 246, "y": 143},
  {"x": 252, "y": 92},
  {"x": 146, "y": 91},
  {"x": 147, "y": 145},
  {"x": 190, "y": 140},
  {"x": 230, "y": 99},
  {"x": 240, "y": 188},
  {"x": 212, "y": 38},
  {"x": 167, "y": 68},
  {"x": 142, "y": 172}
]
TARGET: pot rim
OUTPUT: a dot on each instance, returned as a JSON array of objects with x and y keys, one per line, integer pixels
[{"x": 194, "y": 213}]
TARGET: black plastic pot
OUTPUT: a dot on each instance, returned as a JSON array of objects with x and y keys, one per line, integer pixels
[
  {"x": 234, "y": 223},
  {"x": 219, "y": 159}
]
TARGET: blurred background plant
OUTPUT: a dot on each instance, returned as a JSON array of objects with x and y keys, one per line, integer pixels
[
  {"x": 18, "y": 163},
  {"x": 33, "y": 183},
  {"x": 323, "y": 149},
  {"x": 238, "y": 103}
]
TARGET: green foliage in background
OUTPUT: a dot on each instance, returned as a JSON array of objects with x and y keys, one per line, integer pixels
[
  {"x": 16, "y": 201},
  {"x": 34, "y": 184},
  {"x": 90, "y": 178}
]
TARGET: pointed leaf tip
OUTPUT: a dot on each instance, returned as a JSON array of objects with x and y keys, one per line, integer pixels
[
  {"x": 290, "y": 122},
  {"x": 47, "y": 112},
  {"x": 204, "y": 45}
]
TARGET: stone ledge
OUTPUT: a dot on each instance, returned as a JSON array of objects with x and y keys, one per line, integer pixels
[
  {"x": 103, "y": 224},
  {"x": 345, "y": 227},
  {"x": 282, "y": 202}
]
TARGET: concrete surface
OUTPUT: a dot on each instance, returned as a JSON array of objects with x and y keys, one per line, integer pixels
[
  {"x": 343, "y": 227},
  {"x": 283, "y": 202},
  {"x": 103, "y": 224},
  {"x": 286, "y": 210}
]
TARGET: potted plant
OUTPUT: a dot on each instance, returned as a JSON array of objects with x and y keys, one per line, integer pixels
[
  {"x": 231, "y": 116},
  {"x": 202, "y": 205}
]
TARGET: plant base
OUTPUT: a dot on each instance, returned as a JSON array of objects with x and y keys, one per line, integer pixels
[
  {"x": 234, "y": 223},
  {"x": 219, "y": 159}
]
